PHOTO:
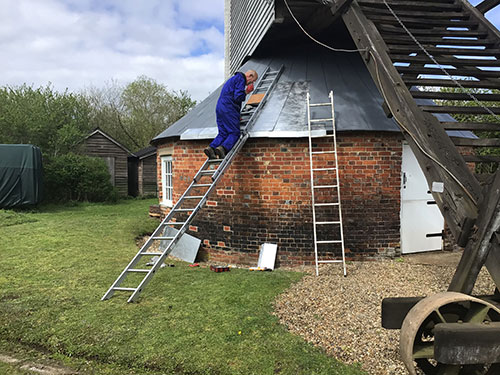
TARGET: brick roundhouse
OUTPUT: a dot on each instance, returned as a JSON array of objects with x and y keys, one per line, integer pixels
[{"x": 265, "y": 195}]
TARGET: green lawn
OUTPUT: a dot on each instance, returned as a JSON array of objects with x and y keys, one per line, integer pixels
[{"x": 58, "y": 261}]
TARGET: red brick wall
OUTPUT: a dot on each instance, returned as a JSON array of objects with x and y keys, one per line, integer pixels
[{"x": 265, "y": 196}]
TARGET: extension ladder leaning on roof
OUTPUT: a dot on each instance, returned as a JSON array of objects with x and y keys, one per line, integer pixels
[{"x": 204, "y": 182}]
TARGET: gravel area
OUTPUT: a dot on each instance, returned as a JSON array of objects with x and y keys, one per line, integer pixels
[{"x": 343, "y": 314}]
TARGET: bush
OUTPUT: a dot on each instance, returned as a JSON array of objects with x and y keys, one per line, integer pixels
[{"x": 78, "y": 177}]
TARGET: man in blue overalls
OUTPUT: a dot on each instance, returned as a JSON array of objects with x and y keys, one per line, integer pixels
[{"x": 227, "y": 111}]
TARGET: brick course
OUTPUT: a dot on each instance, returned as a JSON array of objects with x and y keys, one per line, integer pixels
[{"x": 265, "y": 196}]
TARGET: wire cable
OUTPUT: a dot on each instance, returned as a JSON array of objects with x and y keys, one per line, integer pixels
[{"x": 317, "y": 41}]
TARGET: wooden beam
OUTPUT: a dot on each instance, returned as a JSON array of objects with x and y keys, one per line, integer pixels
[
  {"x": 475, "y": 126},
  {"x": 416, "y": 5},
  {"x": 458, "y": 201},
  {"x": 476, "y": 142},
  {"x": 434, "y": 31},
  {"x": 487, "y": 5},
  {"x": 478, "y": 247},
  {"x": 482, "y": 158},
  {"x": 466, "y": 110},
  {"x": 419, "y": 22},
  {"x": 477, "y": 73},
  {"x": 454, "y": 96},
  {"x": 493, "y": 260},
  {"x": 450, "y": 83},
  {"x": 438, "y": 40},
  {"x": 445, "y": 60},
  {"x": 414, "y": 13},
  {"x": 487, "y": 25},
  {"x": 339, "y": 7},
  {"x": 445, "y": 51}
]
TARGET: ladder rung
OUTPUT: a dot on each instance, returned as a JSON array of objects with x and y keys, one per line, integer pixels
[
  {"x": 322, "y": 152},
  {"x": 329, "y": 261},
  {"x": 329, "y": 241},
  {"x": 321, "y": 119},
  {"x": 319, "y": 104},
  {"x": 326, "y": 204},
  {"x": 212, "y": 168},
  {"x": 324, "y": 186},
  {"x": 327, "y": 222},
  {"x": 324, "y": 169}
]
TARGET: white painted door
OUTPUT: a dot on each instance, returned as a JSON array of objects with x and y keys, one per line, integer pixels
[{"x": 421, "y": 221}]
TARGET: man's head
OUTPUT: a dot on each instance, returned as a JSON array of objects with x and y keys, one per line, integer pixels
[{"x": 251, "y": 76}]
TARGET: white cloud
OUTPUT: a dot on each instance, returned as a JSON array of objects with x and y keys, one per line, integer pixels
[{"x": 77, "y": 43}]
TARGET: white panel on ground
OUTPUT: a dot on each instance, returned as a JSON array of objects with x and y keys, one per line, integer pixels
[
  {"x": 186, "y": 248},
  {"x": 421, "y": 220},
  {"x": 267, "y": 255}
]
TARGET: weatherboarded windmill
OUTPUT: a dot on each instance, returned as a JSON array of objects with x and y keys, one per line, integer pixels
[
  {"x": 265, "y": 195},
  {"x": 405, "y": 166}
]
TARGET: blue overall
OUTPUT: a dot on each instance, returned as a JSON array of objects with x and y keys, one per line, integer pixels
[{"x": 228, "y": 111}]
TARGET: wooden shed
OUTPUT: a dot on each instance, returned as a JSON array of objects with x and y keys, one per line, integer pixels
[{"x": 100, "y": 144}]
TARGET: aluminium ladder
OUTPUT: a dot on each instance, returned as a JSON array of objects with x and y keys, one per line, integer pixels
[
  {"x": 196, "y": 195},
  {"x": 327, "y": 213}
]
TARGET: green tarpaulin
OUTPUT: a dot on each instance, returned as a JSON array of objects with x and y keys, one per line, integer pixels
[{"x": 20, "y": 175}]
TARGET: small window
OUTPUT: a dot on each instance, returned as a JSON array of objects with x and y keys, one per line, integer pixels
[{"x": 166, "y": 181}]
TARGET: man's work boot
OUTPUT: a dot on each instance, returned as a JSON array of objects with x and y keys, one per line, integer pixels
[
  {"x": 220, "y": 152},
  {"x": 210, "y": 152}
]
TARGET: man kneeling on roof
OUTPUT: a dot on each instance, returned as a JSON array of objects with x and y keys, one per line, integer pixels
[{"x": 228, "y": 110}]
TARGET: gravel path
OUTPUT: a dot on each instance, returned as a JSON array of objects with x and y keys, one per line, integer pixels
[{"x": 342, "y": 314}]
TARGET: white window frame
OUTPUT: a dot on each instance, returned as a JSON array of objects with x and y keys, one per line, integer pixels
[{"x": 167, "y": 187}]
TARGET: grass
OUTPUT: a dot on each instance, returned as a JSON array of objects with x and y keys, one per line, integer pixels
[{"x": 57, "y": 262}]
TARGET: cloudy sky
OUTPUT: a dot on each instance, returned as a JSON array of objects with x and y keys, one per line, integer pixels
[
  {"x": 80, "y": 43},
  {"x": 76, "y": 44}
]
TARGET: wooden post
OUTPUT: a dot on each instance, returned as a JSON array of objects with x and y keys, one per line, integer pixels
[{"x": 487, "y": 5}]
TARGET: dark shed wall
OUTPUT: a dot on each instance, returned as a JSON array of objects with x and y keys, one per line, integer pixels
[
  {"x": 147, "y": 175},
  {"x": 99, "y": 146}
]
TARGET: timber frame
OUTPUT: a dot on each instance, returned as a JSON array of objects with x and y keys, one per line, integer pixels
[
  {"x": 470, "y": 210},
  {"x": 405, "y": 45}
]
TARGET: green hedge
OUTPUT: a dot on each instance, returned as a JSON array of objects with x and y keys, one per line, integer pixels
[{"x": 73, "y": 177}]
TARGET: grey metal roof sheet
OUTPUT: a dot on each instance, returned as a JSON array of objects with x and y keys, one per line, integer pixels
[
  {"x": 145, "y": 152},
  {"x": 307, "y": 68}
]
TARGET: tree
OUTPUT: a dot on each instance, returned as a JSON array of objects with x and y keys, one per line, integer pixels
[
  {"x": 53, "y": 121},
  {"x": 136, "y": 113},
  {"x": 483, "y": 151}
]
